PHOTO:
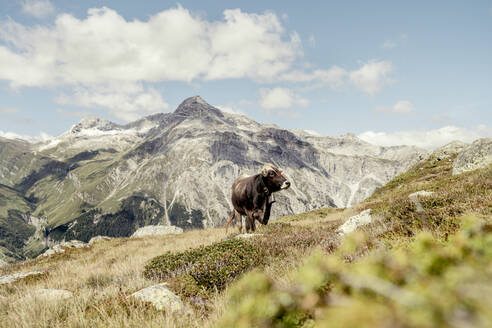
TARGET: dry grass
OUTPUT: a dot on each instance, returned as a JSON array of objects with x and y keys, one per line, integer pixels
[
  {"x": 102, "y": 276},
  {"x": 107, "y": 271}
]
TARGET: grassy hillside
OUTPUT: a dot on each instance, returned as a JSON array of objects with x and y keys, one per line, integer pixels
[
  {"x": 14, "y": 231},
  {"x": 413, "y": 267}
]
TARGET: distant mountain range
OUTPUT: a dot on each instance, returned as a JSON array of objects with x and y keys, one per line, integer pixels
[{"x": 101, "y": 178}]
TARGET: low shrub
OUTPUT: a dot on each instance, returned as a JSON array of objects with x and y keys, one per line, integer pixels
[
  {"x": 196, "y": 273},
  {"x": 211, "y": 267},
  {"x": 429, "y": 283}
]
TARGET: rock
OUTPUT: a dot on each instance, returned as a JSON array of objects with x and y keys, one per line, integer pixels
[
  {"x": 354, "y": 222},
  {"x": 3, "y": 263},
  {"x": 157, "y": 230},
  {"x": 98, "y": 238},
  {"x": 60, "y": 248},
  {"x": 475, "y": 156},
  {"x": 447, "y": 150},
  {"x": 248, "y": 235},
  {"x": 414, "y": 198},
  {"x": 161, "y": 298},
  {"x": 8, "y": 279},
  {"x": 51, "y": 294},
  {"x": 422, "y": 193}
]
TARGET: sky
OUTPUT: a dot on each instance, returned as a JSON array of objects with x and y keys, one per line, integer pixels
[{"x": 392, "y": 72}]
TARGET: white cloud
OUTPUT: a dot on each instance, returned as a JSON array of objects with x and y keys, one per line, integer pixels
[
  {"x": 230, "y": 110},
  {"x": 333, "y": 77},
  {"x": 371, "y": 77},
  {"x": 401, "y": 107},
  {"x": 126, "y": 101},
  {"x": 12, "y": 135},
  {"x": 314, "y": 133},
  {"x": 427, "y": 139},
  {"x": 38, "y": 8},
  {"x": 104, "y": 47},
  {"x": 280, "y": 98}
]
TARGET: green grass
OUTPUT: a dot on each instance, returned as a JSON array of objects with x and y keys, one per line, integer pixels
[
  {"x": 11, "y": 199},
  {"x": 452, "y": 197}
]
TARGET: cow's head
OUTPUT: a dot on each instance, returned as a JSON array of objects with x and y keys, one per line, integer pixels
[{"x": 274, "y": 178}]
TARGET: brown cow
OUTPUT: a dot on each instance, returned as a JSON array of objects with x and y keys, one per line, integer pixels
[{"x": 252, "y": 196}]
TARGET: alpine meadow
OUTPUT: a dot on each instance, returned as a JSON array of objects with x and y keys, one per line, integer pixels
[{"x": 235, "y": 164}]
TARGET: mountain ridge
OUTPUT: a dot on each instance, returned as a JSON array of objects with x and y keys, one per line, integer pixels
[{"x": 176, "y": 168}]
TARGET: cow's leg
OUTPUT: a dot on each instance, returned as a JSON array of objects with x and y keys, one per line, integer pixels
[
  {"x": 250, "y": 221},
  {"x": 231, "y": 218},
  {"x": 240, "y": 223}
]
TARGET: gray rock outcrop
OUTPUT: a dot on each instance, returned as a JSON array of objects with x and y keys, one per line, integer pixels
[
  {"x": 98, "y": 238},
  {"x": 475, "y": 156},
  {"x": 8, "y": 279},
  {"x": 447, "y": 150},
  {"x": 60, "y": 248},
  {"x": 157, "y": 230},
  {"x": 354, "y": 222},
  {"x": 161, "y": 298},
  {"x": 414, "y": 197}
]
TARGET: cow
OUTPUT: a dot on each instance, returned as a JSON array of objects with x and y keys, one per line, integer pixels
[{"x": 252, "y": 196}]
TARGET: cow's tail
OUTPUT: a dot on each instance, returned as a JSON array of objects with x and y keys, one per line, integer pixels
[{"x": 231, "y": 217}]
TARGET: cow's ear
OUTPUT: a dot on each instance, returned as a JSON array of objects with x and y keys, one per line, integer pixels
[{"x": 264, "y": 172}]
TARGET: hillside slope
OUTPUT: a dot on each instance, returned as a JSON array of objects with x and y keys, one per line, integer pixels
[{"x": 413, "y": 266}]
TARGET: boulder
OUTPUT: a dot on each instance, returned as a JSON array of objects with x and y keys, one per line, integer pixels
[
  {"x": 161, "y": 298},
  {"x": 475, "y": 156},
  {"x": 248, "y": 235},
  {"x": 157, "y": 230},
  {"x": 8, "y": 279},
  {"x": 414, "y": 198},
  {"x": 447, "y": 150},
  {"x": 98, "y": 238},
  {"x": 60, "y": 248},
  {"x": 354, "y": 222}
]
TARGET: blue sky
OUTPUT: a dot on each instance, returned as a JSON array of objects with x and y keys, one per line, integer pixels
[{"x": 392, "y": 72}]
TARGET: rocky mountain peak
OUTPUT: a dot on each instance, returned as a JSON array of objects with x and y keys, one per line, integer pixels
[
  {"x": 349, "y": 135},
  {"x": 93, "y": 123},
  {"x": 197, "y": 107}
]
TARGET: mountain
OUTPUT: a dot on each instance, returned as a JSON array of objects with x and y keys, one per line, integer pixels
[
  {"x": 101, "y": 178},
  {"x": 422, "y": 259}
]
